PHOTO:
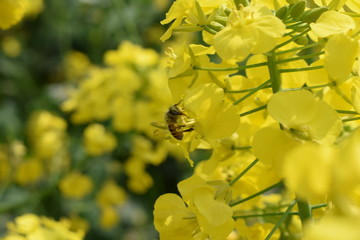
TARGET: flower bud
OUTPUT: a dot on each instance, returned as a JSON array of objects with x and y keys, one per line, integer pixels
[
  {"x": 312, "y": 15},
  {"x": 282, "y": 12},
  {"x": 303, "y": 40},
  {"x": 297, "y": 9}
]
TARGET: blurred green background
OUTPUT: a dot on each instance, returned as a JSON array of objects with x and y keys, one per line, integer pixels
[{"x": 33, "y": 78}]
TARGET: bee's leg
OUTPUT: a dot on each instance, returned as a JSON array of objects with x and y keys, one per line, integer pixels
[
  {"x": 188, "y": 130},
  {"x": 159, "y": 125}
]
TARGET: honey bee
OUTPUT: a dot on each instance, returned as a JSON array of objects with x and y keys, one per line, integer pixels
[{"x": 172, "y": 118}]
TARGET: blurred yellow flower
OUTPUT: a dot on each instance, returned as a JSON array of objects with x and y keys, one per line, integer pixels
[
  {"x": 25, "y": 224},
  {"x": 109, "y": 217},
  {"x": 131, "y": 54},
  {"x": 5, "y": 167},
  {"x": 334, "y": 228},
  {"x": 110, "y": 194},
  {"x": 256, "y": 231},
  {"x": 11, "y": 12},
  {"x": 97, "y": 141},
  {"x": 75, "y": 185},
  {"x": 11, "y": 46},
  {"x": 47, "y": 134},
  {"x": 29, "y": 171},
  {"x": 308, "y": 170},
  {"x": 31, "y": 226},
  {"x": 76, "y": 65},
  {"x": 33, "y": 7}
]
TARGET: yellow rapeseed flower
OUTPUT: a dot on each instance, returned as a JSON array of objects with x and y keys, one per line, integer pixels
[
  {"x": 75, "y": 185},
  {"x": 252, "y": 29},
  {"x": 203, "y": 216},
  {"x": 29, "y": 171},
  {"x": 11, "y": 12},
  {"x": 97, "y": 140}
]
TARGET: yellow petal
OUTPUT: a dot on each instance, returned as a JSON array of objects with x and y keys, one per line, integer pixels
[
  {"x": 270, "y": 29},
  {"x": 172, "y": 219},
  {"x": 307, "y": 170},
  {"x": 270, "y": 146},
  {"x": 355, "y": 96},
  {"x": 292, "y": 108},
  {"x": 340, "y": 53},
  {"x": 331, "y": 23},
  {"x": 235, "y": 43}
]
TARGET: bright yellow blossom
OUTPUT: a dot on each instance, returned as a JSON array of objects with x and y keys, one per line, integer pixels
[
  {"x": 214, "y": 117},
  {"x": 332, "y": 23},
  {"x": 339, "y": 61},
  {"x": 253, "y": 29},
  {"x": 185, "y": 9},
  {"x": 203, "y": 215},
  {"x": 305, "y": 116}
]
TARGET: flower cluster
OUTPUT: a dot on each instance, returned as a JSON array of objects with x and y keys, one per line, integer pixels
[
  {"x": 273, "y": 93},
  {"x": 125, "y": 94},
  {"x": 30, "y": 226}
]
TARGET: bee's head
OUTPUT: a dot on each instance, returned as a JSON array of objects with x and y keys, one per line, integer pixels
[{"x": 174, "y": 110}]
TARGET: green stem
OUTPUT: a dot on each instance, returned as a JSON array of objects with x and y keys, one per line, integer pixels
[
  {"x": 234, "y": 203},
  {"x": 347, "y": 112},
  {"x": 241, "y": 148},
  {"x": 253, "y": 110},
  {"x": 300, "y": 69},
  {"x": 243, "y": 172},
  {"x": 290, "y": 33},
  {"x": 264, "y": 215},
  {"x": 231, "y": 69},
  {"x": 321, "y": 205},
  {"x": 274, "y": 72},
  {"x": 245, "y": 90},
  {"x": 305, "y": 211},
  {"x": 295, "y": 24},
  {"x": 298, "y": 48},
  {"x": 282, "y": 219},
  {"x": 351, "y": 119},
  {"x": 292, "y": 39},
  {"x": 252, "y": 92},
  {"x": 300, "y": 57}
]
